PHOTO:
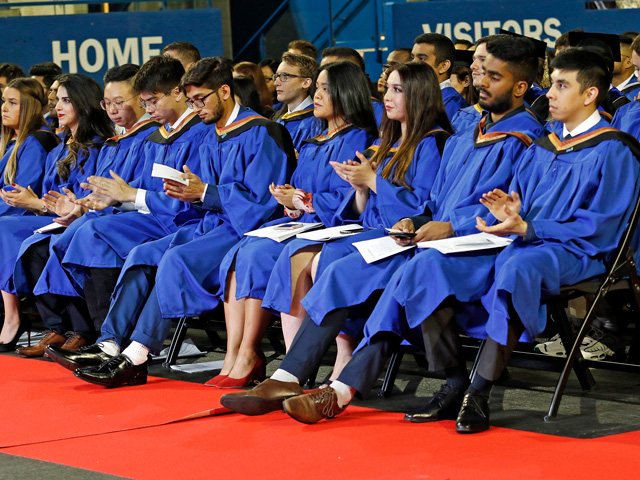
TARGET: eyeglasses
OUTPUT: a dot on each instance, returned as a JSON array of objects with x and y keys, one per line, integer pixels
[
  {"x": 118, "y": 105},
  {"x": 284, "y": 77},
  {"x": 200, "y": 102},
  {"x": 150, "y": 103}
]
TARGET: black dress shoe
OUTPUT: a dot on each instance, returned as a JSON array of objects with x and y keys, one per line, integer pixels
[
  {"x": 474, "y": 414},
  {"x": 89, "y": 356},
  {"x": 115, "y": 372},
  {"x": 444, "y": 405}
]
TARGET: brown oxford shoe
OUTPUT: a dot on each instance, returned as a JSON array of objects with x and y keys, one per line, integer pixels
[
  {"x": 51, "y": 338},
  {"x": 313, "y": 406},
  {"x": 263, "y": 398},
  {"x": 74, "y": 343}
]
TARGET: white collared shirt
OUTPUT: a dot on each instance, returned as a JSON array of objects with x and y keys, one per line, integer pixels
[
  {"x": 304, "y": 104},
  {"x": 626, "y": 82},
  {"x": 445, "y": 84},
  {"x": 589, "y": 123}
]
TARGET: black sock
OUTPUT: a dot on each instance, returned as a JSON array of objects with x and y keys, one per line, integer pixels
[
  {"x": 480, "y": 386},
  {"x": 457, "y": 377}
]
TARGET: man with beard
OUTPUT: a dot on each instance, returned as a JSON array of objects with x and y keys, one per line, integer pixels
[
  {"x": 473, "y": 162},
  {"x": 240, "y": 158}
]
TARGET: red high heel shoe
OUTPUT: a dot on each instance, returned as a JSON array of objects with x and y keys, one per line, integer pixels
[
  {"x": 215, "y": 380},
  {"x": 258, "y": 372}
]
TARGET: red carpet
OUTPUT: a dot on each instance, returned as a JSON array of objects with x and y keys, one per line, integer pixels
[
  {"x": 49, "y": 415},
  {"x": 365, "y": 444},
  {"x": 42, "y": 401}
]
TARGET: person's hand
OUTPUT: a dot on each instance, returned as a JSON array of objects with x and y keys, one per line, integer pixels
[
  {"x": 361, "y": 175},
  {"x": 496, "y": 200},
  {"x": 405, "y": 225},
  {"x": 185, "y": 193},
  {"x": 433, "y": 231},
  {"x": 58, "y": 203},
  {"x": 115, "y": 188},
  {"x": 95, "y": 201},
  {"x": 283, "y": 194},
  {"x": 22, "y": 198},
  {"x": 513, "y": 224}
]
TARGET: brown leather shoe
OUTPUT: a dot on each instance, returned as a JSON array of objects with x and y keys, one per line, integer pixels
[
  {"x": 313, "y": 406},
  {"x": 51, "y": 338},
  {"x": 74, "y": 342},
  {"x": 263, "y": 398}
]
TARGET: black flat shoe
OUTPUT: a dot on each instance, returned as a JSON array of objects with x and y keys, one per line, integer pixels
[
  {"x": 89, "y": 356},
  {"x": 115, "y": 372},
  {"x": 444, "y": 405},
  {"x": 474, "y": 414}
]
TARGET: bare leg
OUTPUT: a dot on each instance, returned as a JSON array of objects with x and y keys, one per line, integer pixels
[
  {"x": 301, "y": 283},
  {"x": 234, "y": 319},
  {"x": 256, "y": 320},
  {"x": 11, "y": 317},
  {"x": 346, "y": 346}
]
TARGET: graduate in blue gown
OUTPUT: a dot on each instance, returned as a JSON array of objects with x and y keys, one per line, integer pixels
[
  {"x": 67, "y": 165},
  {"x": 627, "y": 119},
  {"x": 571, "y": 198},
  {"x": 438, "y": 51},
  {"x": 314, "y": 195},
  {"x": 241, "y": 157},
  {"x": 346, "y": 292},
  {"x": 293, "y": 81},
  {"x": 122, "y": 154}
]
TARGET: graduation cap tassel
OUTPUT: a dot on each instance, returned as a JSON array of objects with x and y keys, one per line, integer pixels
[{"x": 546, "y": 79}]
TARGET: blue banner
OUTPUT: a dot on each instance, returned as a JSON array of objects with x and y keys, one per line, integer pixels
[
  {"x": 93, "y": 43},
  {"x": 471, "y": 20}
]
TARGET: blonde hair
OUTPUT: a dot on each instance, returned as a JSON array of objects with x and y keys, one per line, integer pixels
[{"x": 32, "y": 101}]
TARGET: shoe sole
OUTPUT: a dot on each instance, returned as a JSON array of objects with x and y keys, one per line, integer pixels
[
  {"x": 416, "y": 419},
  {"x": 252, "y": 405},
  {"x": 476, "y": 429},
  {"x": 131, "y": 381}
]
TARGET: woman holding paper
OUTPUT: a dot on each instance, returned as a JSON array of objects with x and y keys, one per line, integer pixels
[
  {"x": 395, "y": 182},
  {"x": 67, "y": 165},
  {"x": 342, "y": 102}
]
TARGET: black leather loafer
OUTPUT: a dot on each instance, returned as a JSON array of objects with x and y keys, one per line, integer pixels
[
  {"x": 474, "y": 414},
  {"x": 89, "y": 356},
  {"x": 115, "y": 372},
  {"x": 444, "y": 405}
]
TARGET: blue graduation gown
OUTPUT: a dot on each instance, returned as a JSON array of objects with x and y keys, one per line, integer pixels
[
  {"x": 105, "y": 241},
  {"x": 301, "y": 125},
  {"x": 123, "y": 155},
  {"x": 239, "y": 162},
  {"x": 254, "y": 257},
  {"x": 467, "y": 117},
  {"x": 577, "y": 197},
  {"x": 15, "y": 229},
  {"x": 384, "y": 208},
  {"x": 627, "y": 119},
  {"x": 30, "y": 165},
  {"x": 473, "y": 162},
  {"x": 453, "y": 101}
]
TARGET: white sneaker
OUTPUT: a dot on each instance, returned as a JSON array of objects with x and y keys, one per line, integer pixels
[
  {"x": 553, "y": 347},
  {"x": 593, "y": 349}
]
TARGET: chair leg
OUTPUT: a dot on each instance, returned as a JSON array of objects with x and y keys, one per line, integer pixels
[
  {"x": 391, "y": 374},
  {"x": 176, "y": 342},
  {"x": 474, "y": 367},
  {"x": 572, "y": 355},
  {"x": 634, "y": 283}
]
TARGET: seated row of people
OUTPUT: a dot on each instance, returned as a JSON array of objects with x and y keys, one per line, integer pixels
[{"x": 154, "y": 248}]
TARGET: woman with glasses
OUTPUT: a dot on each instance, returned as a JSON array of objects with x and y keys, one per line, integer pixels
[
  {"x": 396, "y": 182},
  {"x": 86, "y": 128},
  {"x": 294, "y": 81},
  {"x": 343, "y": 104}
]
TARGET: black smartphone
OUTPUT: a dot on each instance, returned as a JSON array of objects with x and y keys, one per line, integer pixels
[{"x": 402, "y": 234}]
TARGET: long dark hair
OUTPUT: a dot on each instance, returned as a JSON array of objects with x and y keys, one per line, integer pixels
[
  {"x": 424, "y": 110},
  {"x": 247, "y": 92},
  {"x": 85, "y": 95},
  {"x": 351, "y": 95}
]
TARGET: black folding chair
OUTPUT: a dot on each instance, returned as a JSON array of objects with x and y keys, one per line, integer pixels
[{"x": 621, "y": 274}]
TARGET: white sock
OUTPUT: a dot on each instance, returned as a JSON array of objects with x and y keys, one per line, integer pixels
[
  {"x": 284, "y": 376},
  {"x": 110, "y": 347},
  {"x": 137, "y": 353},
  {"x": 343, "y": 392}
]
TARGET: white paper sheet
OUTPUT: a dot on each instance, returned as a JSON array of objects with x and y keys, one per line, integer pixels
[
  {"x": 163, "y": 171},
  {"x": 49, "y": 228},
  {"x": 283, "y": 231},
  {"x": 467, "y": 243},
  {"x": 332, "y": 233},
  {"x": 379, "y": 248}
]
